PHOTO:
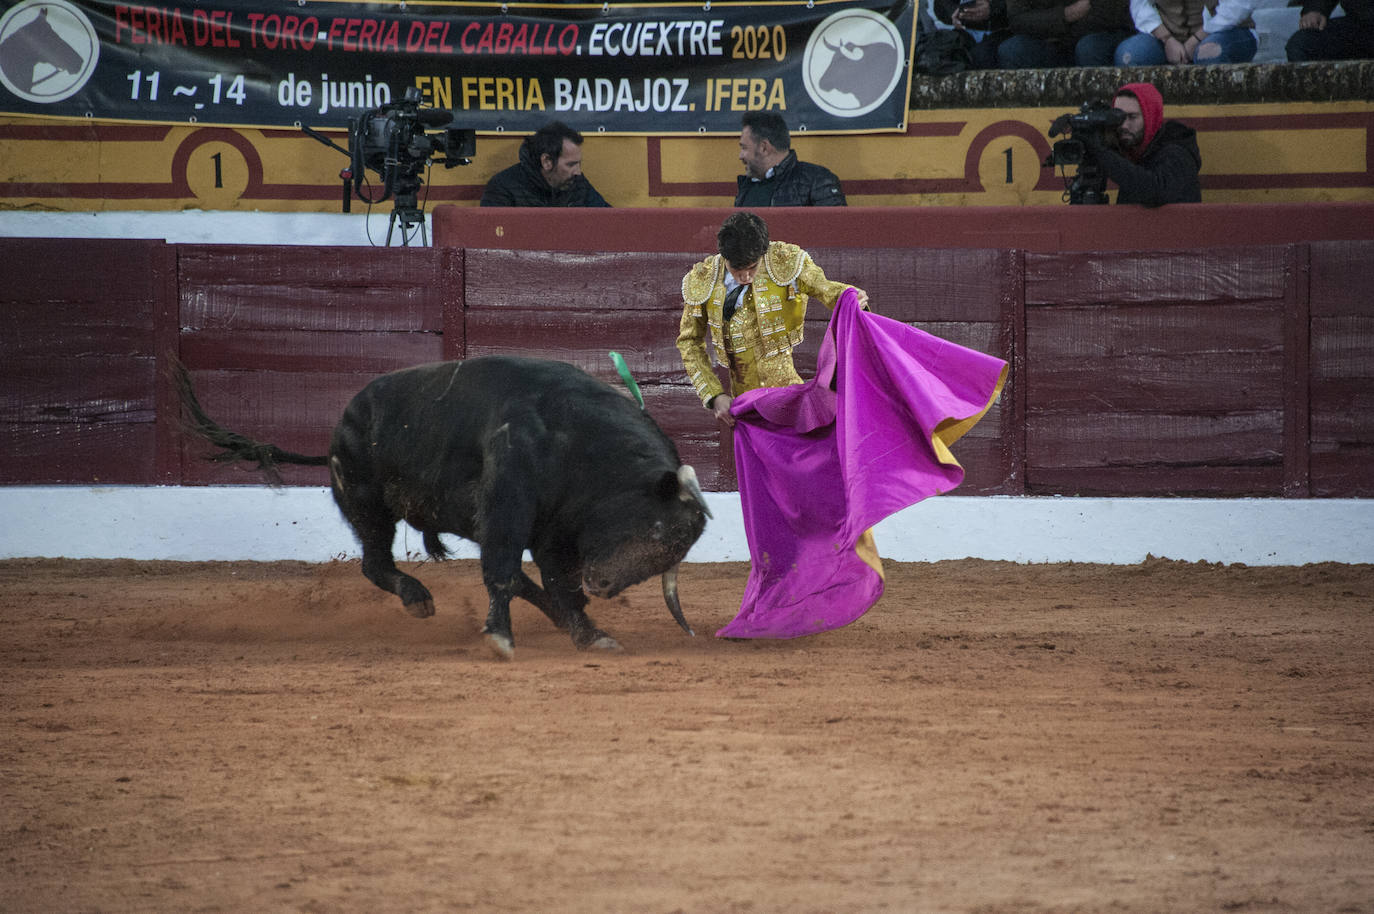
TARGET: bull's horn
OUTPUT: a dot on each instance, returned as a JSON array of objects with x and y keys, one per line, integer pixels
[
  {"x": 670, "y": 597},
  {"x": 691, "y": 489},
  {"x": 846, "y": 48}
]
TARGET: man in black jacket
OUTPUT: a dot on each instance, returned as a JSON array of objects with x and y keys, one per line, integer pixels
[
  {"x": 1159, "y": 160},
  {"x": 1321, "y": 36},
  {"x": 549, "y": 173},
  {"x": 772, "y": 174}
]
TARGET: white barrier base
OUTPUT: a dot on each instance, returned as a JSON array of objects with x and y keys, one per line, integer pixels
[{"x": 223, "y": 523}]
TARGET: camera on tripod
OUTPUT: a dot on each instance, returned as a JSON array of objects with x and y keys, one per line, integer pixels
[
  {"x": 1093, "y": 126},
  {"x": 396, "y": 141},
  {"x": 393, "y": 141}
]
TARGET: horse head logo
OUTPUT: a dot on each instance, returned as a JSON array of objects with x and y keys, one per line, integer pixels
[{"x": 47, "y": 50}]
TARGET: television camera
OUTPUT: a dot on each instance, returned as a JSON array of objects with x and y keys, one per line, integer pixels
[
  {"x": 1093, "y": 126},
  {"x": 398, "y": 141}
]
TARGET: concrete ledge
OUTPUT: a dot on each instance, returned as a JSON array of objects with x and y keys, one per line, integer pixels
[{"x": 224, "y": 523}]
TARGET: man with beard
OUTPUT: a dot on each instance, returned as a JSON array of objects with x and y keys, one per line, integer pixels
[
  {"x": 549, "y": 173},
  {"x": 772, "y": 174},
  {"x": 1158, "y": 161}
]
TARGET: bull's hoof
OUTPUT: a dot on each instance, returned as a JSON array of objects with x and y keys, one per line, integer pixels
[
  {"x": 603, "y": 642},
  {"x": 501, "y": 646},
  {"x": 421, "y": 609}
]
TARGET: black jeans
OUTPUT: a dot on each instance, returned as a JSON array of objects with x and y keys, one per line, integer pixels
[{"x": 1342, "y": 39}]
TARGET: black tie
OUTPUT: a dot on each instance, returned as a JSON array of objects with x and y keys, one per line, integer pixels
[{"x": 731, "y": 298}]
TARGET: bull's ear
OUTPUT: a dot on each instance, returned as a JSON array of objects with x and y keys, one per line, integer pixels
[{"x": 667, "y": 486}]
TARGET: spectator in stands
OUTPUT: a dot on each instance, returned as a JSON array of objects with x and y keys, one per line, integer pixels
[
  {"x": 1321, "y": 36},
  {"x": 1062, "y": 33},
  {"x": 1158, "y": 161},
  {"x": 1189, "y": 31},
  {"x": 549, "y": 173},
  {"x": 750, "y": 298},
  {"x": 986, "y": 16},
  {"x": 773, "y": 176}
]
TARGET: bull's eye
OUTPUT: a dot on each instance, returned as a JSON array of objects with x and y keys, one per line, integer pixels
[{"x": 657, "y": 531}]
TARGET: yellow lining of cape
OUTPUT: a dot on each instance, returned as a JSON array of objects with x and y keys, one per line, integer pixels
[
  {"x": 946, "y": 433},
  {"x": 951, "y": 430}
]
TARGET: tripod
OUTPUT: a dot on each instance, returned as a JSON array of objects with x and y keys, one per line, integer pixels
[
  {"x": 407, "y": 212},
  {"x": 404, "y": 175},
  {"x": 1089, "y": 186},
  {"x": 406, "y": 208}
]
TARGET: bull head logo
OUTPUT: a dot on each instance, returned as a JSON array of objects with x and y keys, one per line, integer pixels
[
  {"x": 856, "y": 59},
  {"x": 862, "y": 70},
  {"x": 847, "y": 48}
]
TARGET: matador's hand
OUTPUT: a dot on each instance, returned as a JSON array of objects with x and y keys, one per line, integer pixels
[{"x": 720, "y": 405}]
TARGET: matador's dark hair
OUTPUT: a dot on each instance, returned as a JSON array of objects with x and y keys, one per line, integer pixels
[{"x": 742, "y": 239}]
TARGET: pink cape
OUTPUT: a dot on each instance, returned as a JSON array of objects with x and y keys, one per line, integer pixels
[{"x": 820, "y": 463}]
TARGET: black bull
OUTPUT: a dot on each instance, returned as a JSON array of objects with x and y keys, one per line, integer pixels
[{"x": 513, "y": 454}]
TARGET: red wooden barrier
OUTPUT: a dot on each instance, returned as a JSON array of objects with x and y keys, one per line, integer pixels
[
  {"x": 278, "y": 339},
  {"x": 1158, "y": 373},
  {"x": 1236, "y": 370},
  {"x": 1028, "y": 228},
  {"x": 83, "y": 323},
  {"x": 1341, "y": 371}
]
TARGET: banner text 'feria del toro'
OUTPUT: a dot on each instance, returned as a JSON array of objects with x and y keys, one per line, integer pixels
[{"x": 650, "y": 69}]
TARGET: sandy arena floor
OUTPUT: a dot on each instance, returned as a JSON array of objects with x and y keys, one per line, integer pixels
[{"x": 1165, "y": 737}]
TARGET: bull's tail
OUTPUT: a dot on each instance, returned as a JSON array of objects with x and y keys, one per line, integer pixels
[{"x": 233, "y": 446}]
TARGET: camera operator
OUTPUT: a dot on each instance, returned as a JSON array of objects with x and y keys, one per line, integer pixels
[
  {"x": 549, "y": 173},
  {"x": 1158, "y": 161}
]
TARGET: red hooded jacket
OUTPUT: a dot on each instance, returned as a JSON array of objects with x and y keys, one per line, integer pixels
[
  {"x": 1151, "y": 109},
  {"x": 1164, "y": 167}
]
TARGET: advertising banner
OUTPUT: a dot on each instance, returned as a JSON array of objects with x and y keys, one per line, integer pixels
[{"x": 832, "y": 67}]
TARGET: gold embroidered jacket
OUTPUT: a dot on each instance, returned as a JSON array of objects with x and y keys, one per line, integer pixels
[{"x": 757, "y": 345}]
